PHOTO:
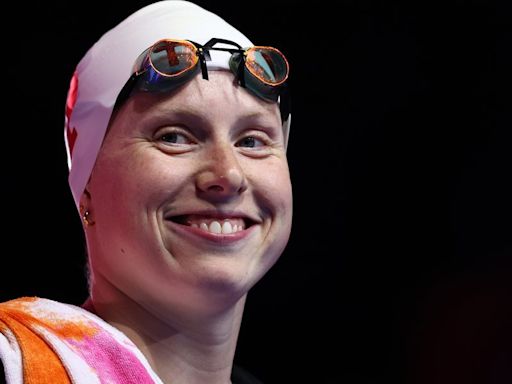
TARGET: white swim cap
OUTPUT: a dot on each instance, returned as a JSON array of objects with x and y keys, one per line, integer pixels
[{"x": 103, "y": 71}]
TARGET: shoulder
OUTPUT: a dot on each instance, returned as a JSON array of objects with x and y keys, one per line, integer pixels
[
  {"x": 240, "y": 376},
  {"x": 34, "y": 339},
  {"x": 63, "y": 320},
  {"x": 50, "y": 341},
  {"x": 27, "y": 327},
  {"x": 37, "y": 306},
  {"x": 39, "y": 315}
]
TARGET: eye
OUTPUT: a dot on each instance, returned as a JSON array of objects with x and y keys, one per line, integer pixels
[
  {"x": 175, "y": 138},
  {"x": 250, "y": 142}
]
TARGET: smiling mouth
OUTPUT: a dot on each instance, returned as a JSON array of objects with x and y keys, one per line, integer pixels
[{"x": 214, "y": 225}]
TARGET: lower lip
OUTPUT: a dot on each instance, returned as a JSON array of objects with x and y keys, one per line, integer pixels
[{"x": 212, "y": 237}]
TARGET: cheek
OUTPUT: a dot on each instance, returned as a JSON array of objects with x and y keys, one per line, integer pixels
[
  {"x": 275, "y": 196},
  {"x": 137, "y": 181},
  {"x": 118, "y": 187},
  {"x": 273, "y": 186},
  {"x": 128, "y": 194}
]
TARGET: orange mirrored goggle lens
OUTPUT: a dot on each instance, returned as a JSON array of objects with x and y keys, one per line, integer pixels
[
  {"x": 268, "y": 64},
  {"x": 173, "y": 57}
]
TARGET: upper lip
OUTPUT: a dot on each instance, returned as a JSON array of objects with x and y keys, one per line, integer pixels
[{"x": 216, "y": 214}]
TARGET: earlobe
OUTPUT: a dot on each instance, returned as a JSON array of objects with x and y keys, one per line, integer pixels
[{"x": 85, "y": 208}]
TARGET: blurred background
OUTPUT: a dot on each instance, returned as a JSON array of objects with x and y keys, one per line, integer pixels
[{"x": 399, "y": 266}]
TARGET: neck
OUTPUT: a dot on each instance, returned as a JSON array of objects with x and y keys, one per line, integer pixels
[{"x": 180, "y": 347}]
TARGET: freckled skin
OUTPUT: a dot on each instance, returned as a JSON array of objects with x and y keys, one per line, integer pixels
[{"x": 209, "y": 146}]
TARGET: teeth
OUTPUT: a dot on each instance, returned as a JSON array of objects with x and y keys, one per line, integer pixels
[
  {"x": 217, "y": 227},
  {"x": 227, "y": 228}
]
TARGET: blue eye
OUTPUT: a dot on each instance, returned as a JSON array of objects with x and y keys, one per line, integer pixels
[
  {"x": 175, "y": 138},
  {"x": 250, "y": 142}
]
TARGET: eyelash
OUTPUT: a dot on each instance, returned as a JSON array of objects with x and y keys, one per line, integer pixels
[
  {"x": 259, "y": 139},
  {"x": 253, "y": 137},
  {"x": 188, "y": 140}
]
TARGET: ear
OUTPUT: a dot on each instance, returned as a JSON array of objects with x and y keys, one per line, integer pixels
[
  {"x": 85, "y": 209},
  {"x": 85, "y": 200}
]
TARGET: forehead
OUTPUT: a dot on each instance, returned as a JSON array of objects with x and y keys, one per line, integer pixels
[{"x": 218, "y": 96}]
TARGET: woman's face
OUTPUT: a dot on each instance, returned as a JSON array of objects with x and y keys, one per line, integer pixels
[{"x": 191, "y": 195}]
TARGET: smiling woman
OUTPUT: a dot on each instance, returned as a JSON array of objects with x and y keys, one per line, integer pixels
[
  {"x": 196, "y": 216},
  {"x": 184, "y": 192}
]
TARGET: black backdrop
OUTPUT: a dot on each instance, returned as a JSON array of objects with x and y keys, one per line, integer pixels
[{"x": 398, "y": 269}]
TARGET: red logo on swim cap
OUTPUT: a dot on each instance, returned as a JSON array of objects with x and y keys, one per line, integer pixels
[{"x": 71, "y": 132}]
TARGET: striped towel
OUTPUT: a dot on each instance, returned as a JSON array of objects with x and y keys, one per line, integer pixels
[{"x": 44, "y": 341}]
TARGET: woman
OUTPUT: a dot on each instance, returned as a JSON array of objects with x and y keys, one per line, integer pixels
[{"x": 183, "y": 188}]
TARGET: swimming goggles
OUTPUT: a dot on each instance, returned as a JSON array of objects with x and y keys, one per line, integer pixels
[{"x": 169, "y": 63}]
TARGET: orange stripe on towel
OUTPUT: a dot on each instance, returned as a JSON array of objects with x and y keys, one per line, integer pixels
[{"x": 40, "y": 363}]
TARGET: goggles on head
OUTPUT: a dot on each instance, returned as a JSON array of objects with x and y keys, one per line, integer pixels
[{"x": 170, "y": 63}]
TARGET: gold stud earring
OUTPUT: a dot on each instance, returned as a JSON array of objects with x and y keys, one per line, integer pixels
[{"x": 86, "y": 216}]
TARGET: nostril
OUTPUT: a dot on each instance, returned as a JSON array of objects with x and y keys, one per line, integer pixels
[
  {"x": 243, "y": 187},
  {"x": 216, "y": 183},
  {"x": 215, "y": 188}
]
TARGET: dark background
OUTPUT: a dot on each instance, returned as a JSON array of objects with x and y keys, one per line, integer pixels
[{"x": 399, "y": 266}]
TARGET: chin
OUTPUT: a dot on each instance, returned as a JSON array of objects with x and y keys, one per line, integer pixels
[
  {"x": 215, "y": 296},
  {"x": 225, "y": 283}
]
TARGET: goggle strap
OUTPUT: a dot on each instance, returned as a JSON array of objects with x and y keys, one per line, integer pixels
[
  {"x": 241, "y": 72},
  {"x": 216, "y": 40},
  {"x": 202, "y": 60},
  {"x": 206, "y": 55},
  {"x": 285, "y": 102}
]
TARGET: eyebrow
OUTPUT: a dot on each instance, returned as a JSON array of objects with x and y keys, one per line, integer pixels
[
  {"x": 197, "y": 115},
  {"x": 180, "y": 112}
]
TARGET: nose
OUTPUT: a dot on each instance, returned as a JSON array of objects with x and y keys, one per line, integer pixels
[{"x": 222, "y": 177}]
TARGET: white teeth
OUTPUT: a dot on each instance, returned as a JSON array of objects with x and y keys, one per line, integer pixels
[
  {"x": 219, "y": 227},
  {"x": 227, "y": 228},
  {"x": 215, "y": 227}
]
